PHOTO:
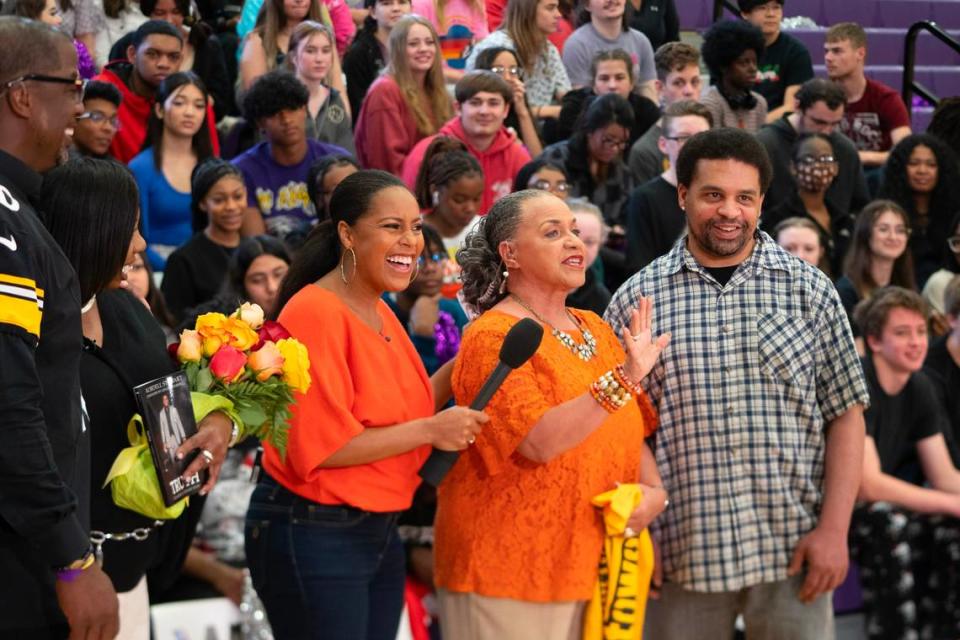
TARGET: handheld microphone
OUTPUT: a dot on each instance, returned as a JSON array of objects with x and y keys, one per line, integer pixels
[{"x": 519, "y": 345}]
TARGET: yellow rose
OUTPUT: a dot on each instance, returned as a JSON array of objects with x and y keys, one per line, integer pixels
[
  {"x": 266, "y": 361},
  {"x": 238, "y": 334},
  {"x": 252, "y": 314},
  {"x": 191, "y": 346},
  {"x": 296, "y": 364},
  {"x": 210, "y": 326}
]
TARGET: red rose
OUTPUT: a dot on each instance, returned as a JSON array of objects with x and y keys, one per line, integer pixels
[
  {"x": 271, "y": 331},
  {"x": 227, "y": 363}
]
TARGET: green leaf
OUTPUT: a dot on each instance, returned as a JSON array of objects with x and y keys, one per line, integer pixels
[
  {"x": 251, "y": 413},
  {"x": 204, "y": 379}
]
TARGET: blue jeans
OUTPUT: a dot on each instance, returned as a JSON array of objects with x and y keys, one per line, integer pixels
[{"x": 331, "y": 572}]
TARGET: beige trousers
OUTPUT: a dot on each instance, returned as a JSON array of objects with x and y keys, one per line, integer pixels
[
  {"x": 468, "y": 616},
  {"x": 135, "y": 613}
]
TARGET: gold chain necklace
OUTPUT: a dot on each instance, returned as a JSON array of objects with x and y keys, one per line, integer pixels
[{"x": 585, "y": 351}]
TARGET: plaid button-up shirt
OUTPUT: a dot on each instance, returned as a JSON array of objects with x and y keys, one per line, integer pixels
[{"x": 754, "y": 372}]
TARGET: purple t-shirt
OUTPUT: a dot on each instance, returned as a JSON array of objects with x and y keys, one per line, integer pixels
[{"x": 280, "y": 192}]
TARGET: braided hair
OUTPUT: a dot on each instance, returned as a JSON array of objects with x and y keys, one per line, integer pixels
[{"x": 445, "y": 161}]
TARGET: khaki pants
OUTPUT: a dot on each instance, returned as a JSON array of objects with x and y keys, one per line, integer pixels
[
  {"x": 771, "y": 611},
  {"x": 468, "y": 616}
]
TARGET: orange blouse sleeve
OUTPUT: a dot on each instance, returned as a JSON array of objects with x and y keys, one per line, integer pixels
[
  {"x": 322, "y": 421},
  {"x": 514, "y": 408}
]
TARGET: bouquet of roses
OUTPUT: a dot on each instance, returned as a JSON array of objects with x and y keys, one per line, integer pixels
[{"x": 252, "y": 362}]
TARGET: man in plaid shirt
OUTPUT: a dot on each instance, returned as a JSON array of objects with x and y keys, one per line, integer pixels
[{"x": 761, "y": 399}]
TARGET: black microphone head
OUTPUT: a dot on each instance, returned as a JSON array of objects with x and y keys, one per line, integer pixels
[{"x": 521, "y": 342}]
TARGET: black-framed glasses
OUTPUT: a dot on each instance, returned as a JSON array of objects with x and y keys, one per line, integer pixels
[
  {"x": 98, "y": 117},
  {"x": 436, "y": 258},
  {"x": 513, "y": 71},
  {"x": 954, "y": 243},
  {"x": 79, "y": 84}
]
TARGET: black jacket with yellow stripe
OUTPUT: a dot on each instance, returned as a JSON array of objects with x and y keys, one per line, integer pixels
[{"x": 44, "y": 444}]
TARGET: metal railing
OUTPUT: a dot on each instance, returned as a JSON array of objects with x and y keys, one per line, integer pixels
[
  {"x": 720, "y": 5},
  {"x": 910, "y": 85}
]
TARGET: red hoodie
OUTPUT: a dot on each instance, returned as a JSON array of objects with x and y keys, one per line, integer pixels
[
  {"x": 134, "y": 113},
  {"x": 500, "y": 162}
]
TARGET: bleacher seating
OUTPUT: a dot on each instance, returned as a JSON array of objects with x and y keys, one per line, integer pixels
[{"x": 886, "y": 23}]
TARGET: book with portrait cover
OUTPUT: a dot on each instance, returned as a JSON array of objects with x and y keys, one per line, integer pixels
[{"x": 168, "y": 420}]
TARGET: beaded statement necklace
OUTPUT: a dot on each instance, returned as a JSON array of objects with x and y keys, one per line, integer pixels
[{"x": 585, "y": 351}]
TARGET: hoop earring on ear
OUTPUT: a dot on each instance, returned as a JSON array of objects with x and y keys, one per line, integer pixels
[
  {"x": 416, "y": 272},
  {"x": 343, "y": 274}
]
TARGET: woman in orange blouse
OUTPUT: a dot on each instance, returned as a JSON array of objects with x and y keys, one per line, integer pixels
[
  {"x": 518, "y": 543},
  {"x": 321, "y": 535}
]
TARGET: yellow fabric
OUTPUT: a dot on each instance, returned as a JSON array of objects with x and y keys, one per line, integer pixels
[
  {"x": 619, "y": 601},
  {"x": 133, "y": 480},
  {"x": 21, "y": 303}
]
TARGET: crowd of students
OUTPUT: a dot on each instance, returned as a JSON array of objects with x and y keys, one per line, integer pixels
[{"x": 237, "y": 130}]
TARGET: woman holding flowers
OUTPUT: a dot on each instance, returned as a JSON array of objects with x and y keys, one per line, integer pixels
[
  {"x": 92, "y": 207},
  {"x": 321, "y": 533}
]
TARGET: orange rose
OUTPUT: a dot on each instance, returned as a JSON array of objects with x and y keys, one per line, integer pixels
[
  {"x": 238, "y": 334},
  {"x": 210, "y": 326},
  {"x": 266, "y": 361}
]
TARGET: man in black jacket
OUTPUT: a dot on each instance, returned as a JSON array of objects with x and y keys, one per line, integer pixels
[
  {"x": 820, "y": 105},
  {"x": 50, "y": 585}
]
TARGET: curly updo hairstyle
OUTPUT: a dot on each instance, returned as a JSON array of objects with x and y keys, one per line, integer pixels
[{"x": 481, "y": 268}]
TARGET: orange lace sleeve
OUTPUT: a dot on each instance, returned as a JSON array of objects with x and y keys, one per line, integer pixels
[{"x": 514, "y": 408}]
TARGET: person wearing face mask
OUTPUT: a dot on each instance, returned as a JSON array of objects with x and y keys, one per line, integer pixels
[
  {"x": 731, "y": 50},
  {"x": 194, "y": 273},
  {"x": 611, "y": 72},
  {"x": 814, "y": 168}
]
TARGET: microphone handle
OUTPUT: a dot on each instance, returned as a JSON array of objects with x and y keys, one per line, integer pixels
[{"x": 435, "y": 469}]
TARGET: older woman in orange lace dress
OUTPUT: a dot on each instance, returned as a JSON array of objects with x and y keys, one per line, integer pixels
[{"x": 518, "y": 542}]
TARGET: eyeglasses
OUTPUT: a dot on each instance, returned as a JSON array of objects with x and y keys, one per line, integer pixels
[
  {"x": 79, "y": 84},
  {"x": 898, "y": 230},
  {"x": 677, "y": 138},
  {"x": 816, "y": 160},
  {"x": 514, "y": 72},
  {"x": 436, "y": 258},
  {"x": 954, "y": 243},
  {"x": 613, "y": 143},
  {"x": 545, "y": 185},
  {"x": 98, "y": 117}
]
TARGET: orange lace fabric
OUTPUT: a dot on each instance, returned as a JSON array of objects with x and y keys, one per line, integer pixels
[{"x": 511, "y": 528}]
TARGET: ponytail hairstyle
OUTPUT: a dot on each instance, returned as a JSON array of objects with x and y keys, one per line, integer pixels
[
  {"x": 205, "y": 175},
  {"x": 320, "y": 253},
  {"x": 445, "y": 160},
  {"x": 481, "y": 268}
]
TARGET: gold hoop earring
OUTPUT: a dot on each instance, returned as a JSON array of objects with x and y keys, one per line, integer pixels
[
  {"x": 416, "y": 272},
  {"x": 343, "y": 274}
]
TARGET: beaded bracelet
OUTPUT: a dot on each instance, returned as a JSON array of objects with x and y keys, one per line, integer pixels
[
  {"x": 626, "y": 381},
  {"x": 609, "y": 393}
]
